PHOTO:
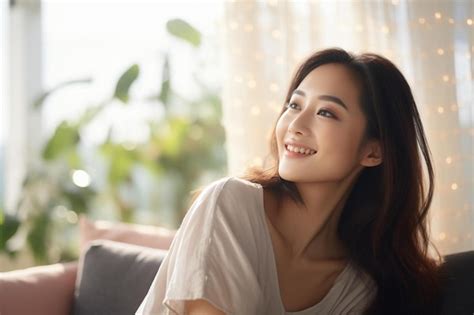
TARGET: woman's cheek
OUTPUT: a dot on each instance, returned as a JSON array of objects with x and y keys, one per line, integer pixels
[{"x": 281, "y": 129}]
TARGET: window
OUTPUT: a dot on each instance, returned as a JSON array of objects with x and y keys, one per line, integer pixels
[
  {"x": 3, "y": 96},
  {"x": 100, "y": 40}
]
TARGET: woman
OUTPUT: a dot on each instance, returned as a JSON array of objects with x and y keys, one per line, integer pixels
[{"x": 338, "y": 225}]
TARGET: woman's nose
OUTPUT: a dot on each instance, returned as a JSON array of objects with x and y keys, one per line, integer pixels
[{"x": 300, "y": 124}]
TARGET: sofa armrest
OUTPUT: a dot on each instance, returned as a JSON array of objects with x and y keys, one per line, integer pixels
[
  {"x": 38, "y": 290},
  {"x": 458, "y": 283}
]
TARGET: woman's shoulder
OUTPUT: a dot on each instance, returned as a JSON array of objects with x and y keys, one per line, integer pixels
[
  {"x": 232, "y": 214},
  {"x": 232, "y": 188},
  {"x": 233, "y": 181},
  {"x": 236, "y": 202}
]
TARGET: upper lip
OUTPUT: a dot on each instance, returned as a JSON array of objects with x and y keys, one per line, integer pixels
[{"x": 297, "y": 144}]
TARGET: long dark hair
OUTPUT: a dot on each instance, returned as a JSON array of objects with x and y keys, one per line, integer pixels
[{"x": 384, "y": 221}]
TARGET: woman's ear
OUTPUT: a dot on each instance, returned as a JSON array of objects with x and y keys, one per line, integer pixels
[{"x": 372, "y": 154}]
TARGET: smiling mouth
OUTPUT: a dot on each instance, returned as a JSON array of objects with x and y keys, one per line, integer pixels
[{"x": 291, "y": 151}]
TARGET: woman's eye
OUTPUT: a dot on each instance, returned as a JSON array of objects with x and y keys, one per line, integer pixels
[
  {"x": 289, "y": 105},
  {"x": 327, "y": 114},
  {"x": 330, "y": 114}
]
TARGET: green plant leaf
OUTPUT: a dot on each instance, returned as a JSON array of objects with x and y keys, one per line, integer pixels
[
  {"x": 8, "y": 226},
  {"x": 121, "y": 161},
  {"x": 65, "y": 138},
  {"x": 165, "y": 82},
  {"x": 38, "y": 237},
  {"x": 183, "y": 30},
  {"x": 40, "y": 100},
  {"x": 74, "y": 159},
  {"x": 122, "y": 88},
  {"x": 78, "y": 198},
  {"x": 90, "y": 114},
  {"x": 120, "y": 168},
  {"x": 173, "y": 139}
]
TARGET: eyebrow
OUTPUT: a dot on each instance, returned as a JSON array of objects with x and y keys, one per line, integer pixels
[{"x": 330, "y": 98}]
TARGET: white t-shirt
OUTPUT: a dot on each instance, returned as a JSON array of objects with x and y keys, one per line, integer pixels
[{"x": 223, "y": 253}]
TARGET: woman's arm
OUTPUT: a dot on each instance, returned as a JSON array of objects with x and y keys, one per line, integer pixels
[{"x": 201, "y": 307}]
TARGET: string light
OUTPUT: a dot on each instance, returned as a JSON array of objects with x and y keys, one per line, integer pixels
[
  {"x": 437, "y": 15},
  {"x": 440, "y": 51},
  {"x": 454, "y": 186},
  {"x": 449, "y": 160},
  {"x": 238, "y": 79},
  {"x": 274, "y": 106},
  {"x": 255, "y": 111},
  {"x": 442, "y": 236},
  {"x": 469, "y": 22},
  {"x": 276, "y": 34},
  {"x": 273, "y": 87},
  {"x": 248, "y": 27},
  {"x": 421, "y": 20},
  {"x": 233, "y": 25},
  {"x": 272, "y": 2}
]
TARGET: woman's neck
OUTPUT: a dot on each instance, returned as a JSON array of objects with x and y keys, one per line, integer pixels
[{"x": 309, "y": 233}]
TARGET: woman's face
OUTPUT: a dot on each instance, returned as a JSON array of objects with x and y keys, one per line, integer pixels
[{"x": 323, "y": 115}]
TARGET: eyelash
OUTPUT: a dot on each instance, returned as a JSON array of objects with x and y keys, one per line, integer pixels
[{"x": 324, "y": 110}]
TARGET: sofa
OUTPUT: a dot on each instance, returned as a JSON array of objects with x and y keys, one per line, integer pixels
[
  {"x": 113, "y": 277},
  {"x": 117, "y": 263}
]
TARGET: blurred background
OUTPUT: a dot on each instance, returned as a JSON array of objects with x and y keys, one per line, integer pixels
[{"x": 117, "y": 110}]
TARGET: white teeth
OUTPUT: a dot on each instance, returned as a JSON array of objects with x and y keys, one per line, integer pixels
[{"x": 300, "y": 150}]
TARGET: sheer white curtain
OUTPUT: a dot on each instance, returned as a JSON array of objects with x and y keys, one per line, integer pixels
[{"x": 431, "y": 42}]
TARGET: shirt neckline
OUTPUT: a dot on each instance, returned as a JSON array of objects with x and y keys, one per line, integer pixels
[{"x": 331, "y": 292}]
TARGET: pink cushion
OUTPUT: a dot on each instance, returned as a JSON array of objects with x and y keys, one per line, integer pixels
[
  {"x": 47, "y": 290},
  {"x": 142, "y": 235}
]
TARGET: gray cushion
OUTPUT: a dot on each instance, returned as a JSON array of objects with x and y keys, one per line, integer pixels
[{"x": 115, "y": 277}]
